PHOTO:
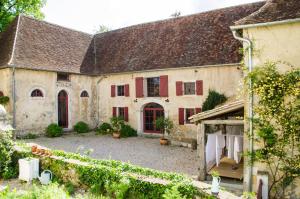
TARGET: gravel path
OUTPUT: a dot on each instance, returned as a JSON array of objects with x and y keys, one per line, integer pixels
[{"x": 145, "y": 152}]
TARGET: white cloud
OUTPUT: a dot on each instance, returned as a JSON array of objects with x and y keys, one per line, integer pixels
[{"x": 87, "y": 15}]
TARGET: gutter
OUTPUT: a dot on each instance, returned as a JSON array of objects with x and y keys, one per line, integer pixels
[
  {"x": 238, "y": 27},
  {"x": 14, "y": 74},
  {"x": 250, "y": 110}
]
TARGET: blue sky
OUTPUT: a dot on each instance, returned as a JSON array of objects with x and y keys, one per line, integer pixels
[{"x": 87, "y": 15}]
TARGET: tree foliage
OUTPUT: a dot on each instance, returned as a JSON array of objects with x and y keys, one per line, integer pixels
[
  {"x": 277, "y": 125},
  {"x": 9, "y": 9},
  {"x": 102, "y": 28},
  {"x": 213, "y": 99}
]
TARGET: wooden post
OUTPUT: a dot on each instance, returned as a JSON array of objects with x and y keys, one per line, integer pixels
[{"x": 201, "y": 151}]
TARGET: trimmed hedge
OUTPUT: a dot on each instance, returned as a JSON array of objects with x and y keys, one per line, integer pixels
[{"x": 116, "y": 179}]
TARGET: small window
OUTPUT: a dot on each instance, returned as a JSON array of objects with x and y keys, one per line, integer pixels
[
  {"x": 121, "y": 112},
  {"x": 84, "y": 94},
  {"x": 188, "y": 113},
  {"x": 121, "y": 90},
  {"x": 153, "y": 87},
  {"x": 37, "y": 93},
  {"x": 1, "y": 94},
  {"x": 63, "y": 77},
  {"x": 189, "y": 88}
]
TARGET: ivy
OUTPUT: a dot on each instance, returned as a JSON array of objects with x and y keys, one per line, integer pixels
[{"x": 277, "y": 124}]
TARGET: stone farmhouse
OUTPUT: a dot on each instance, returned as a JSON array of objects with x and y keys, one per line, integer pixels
[{"x": 165, "y": 68}]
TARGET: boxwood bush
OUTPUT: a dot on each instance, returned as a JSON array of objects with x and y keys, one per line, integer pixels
[
  {"x": 104, "y": 128},
  {"x": 53, "y": 130},
  {"x": 128, "y": 131},
  {"x": 81, "y": 127}
]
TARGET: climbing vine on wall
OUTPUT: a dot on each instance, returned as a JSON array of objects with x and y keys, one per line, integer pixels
[{"x": 277, "y": 124}]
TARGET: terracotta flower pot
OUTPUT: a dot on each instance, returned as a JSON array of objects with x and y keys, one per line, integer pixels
[
  {"x": 42, "y": 152},
  {"x": 116, "y": 135},
  {"x": 33, "y": 148},
  {"x": 163, "y": 141}
]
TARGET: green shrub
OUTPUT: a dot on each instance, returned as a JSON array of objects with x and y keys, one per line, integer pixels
[
  {"x": 53, "y": 130},
  {"x": 213, "y": 99},
  {"x": 104, "y": 128},
  {"x": 6, "y": 152},
  {"x": 81, "y": 127},
  {"x": 4, "y": 100},
  {"x": 128, "y": 131},
  {"x": 30, "y": 136}
]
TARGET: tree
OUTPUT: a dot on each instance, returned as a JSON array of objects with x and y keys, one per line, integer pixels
[
  {"x": 9, "y": 9},
  {"x": 102, "y": 28},
  {"x": 277, "y": 125},
  {"x": 176, "y": 14}
]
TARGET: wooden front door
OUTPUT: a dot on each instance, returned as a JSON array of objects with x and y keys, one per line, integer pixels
[
  {"x": 63, "y": 109},
  {"x": 152, "y": 112}
]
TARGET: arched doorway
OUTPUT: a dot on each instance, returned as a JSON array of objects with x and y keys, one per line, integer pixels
[
  {"x": 152, "y": 111},
  {"x": 63, "y": 109}
]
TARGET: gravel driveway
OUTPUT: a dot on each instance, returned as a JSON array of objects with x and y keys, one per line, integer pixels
[{"x": 146, "y": 152}]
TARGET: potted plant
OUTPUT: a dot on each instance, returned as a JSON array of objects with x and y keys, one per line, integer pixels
[
  {"x": 165, "y": 125},
  {"x": 116, "y": 123}
]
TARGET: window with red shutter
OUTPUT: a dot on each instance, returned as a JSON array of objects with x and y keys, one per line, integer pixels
[
  {"x": 126, "y": 114},
  {"x": 139, "y": 87},
  {"x": 188, "y": 113},
  {"x": 126, "y": 90},
  {"x": 199, "y": 87},
  {"x": 181, "y": 116},
  {"x": 113, "y": 90},
  {"x": 114, "y": 111},
  {"x": 163, "y": 86},
  {"x": 179, "y": 90}
]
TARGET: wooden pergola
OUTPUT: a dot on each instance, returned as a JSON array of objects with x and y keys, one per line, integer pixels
[{"x": 228, "y": 114}]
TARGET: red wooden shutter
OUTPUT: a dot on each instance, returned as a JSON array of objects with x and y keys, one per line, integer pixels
[
  {"x": 126, "y": 88},
  {"x": 199, "y": 87},
  {"x": 198, "y": 110},
  {"x": 114, "y": 111},
  {"x": 139, "y": 87},
  {"x": 113, "y": 90},
  {"x": 181, "y": 116},
  {"x": 163, "y": 86},
  {"x": 126, "y": 114},
  {"x": 179, "y": 90}
]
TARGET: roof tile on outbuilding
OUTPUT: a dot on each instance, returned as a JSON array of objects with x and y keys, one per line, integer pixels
[
  {"x": 44, "y": 46},
  {"x": 6, "y": 43},
  {"x": 195, "y": 40},
  {"x": 273, "y": 10}
]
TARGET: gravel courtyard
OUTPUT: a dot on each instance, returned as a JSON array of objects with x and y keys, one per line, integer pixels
[{"x": 146, "y": 152}]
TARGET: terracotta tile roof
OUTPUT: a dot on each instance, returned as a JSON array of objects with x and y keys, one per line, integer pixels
[
  {"x": 195, "y": 40},
  {"x": 6, "y": 43},
  {"x": 44, "y": 46},
  {"x": 273, "y": 10}
]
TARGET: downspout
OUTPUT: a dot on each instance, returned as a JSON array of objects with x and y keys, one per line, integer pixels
[
  {"x": 14, "y": 74},
  {"x": 250, "y": 110}
]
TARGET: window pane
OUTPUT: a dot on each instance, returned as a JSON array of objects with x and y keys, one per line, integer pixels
[
  {"x": 188, "y": 113},
  {"x": 153, "y": 87},
  {"x": 121, "y": 90},
  {"x": 189, "y": 88},
  {"x": 121, "y": 111},
  {"x": 36, "y": 93}
]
